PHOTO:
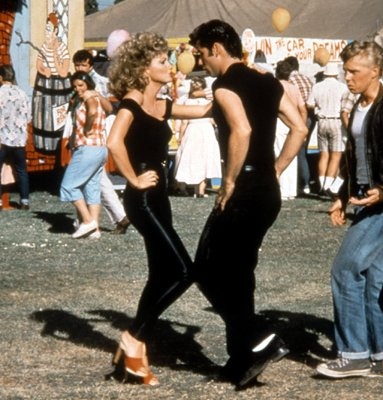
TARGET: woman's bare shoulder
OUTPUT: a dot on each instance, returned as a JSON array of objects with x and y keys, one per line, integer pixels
[{"x": 136, "y": 96}]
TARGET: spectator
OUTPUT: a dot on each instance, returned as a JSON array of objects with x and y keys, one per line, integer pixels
[
  {"x": 304, "y": 84},
  {"x": 82, "y": 177},
  {"x": 357, "y": 271},
  {"x": 260, "y": 62},
  {"x": 197, "y": 158},
  {"x": 15, "y": 114},
  {"x": 83, "y": 61},
  {"x": 325, "y": 99},
  {"x": 288, "y": 179}
]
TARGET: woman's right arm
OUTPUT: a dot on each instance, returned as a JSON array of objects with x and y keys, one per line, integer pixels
[
  {"x": 184, "y": 111},
  {"x": 116, "y": 147}
]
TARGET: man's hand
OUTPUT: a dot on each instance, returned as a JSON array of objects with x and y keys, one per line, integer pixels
[
  {"x": 88, "y": 94},
  {"x": 337, "y": 213},
  {"x": 224, "y": 194},
  {"x": 374, "y": 196}
]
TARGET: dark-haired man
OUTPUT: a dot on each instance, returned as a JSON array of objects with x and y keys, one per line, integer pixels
[{"x": 246, "y": 106}]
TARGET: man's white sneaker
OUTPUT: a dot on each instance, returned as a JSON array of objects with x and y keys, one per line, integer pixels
[{"x": 85, "y": 229}]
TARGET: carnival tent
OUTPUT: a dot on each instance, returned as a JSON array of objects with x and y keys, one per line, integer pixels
[{"x": 326, "y": 19}]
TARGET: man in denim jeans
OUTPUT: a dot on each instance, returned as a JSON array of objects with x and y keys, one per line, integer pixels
[{"x": 357, "y": 272}]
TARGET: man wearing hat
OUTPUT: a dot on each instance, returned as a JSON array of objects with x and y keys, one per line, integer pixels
[{"x": 325, "y": 99}]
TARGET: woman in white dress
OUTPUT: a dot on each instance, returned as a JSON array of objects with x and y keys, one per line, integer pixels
[{"x": 198, "y": 156}]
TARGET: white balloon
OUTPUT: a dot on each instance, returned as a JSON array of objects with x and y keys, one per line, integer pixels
[{"x": 115, "y": 39}]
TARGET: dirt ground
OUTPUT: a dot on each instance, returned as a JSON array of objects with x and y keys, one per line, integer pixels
[{"x": 64, "y": 302}]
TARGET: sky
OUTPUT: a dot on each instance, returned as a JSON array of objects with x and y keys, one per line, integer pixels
[{"x": 102, "y": 4}]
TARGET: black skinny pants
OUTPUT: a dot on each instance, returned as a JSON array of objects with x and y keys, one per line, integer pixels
[
  {"x": 168, "y": 261},
  {"x": 227, "y": 255}
]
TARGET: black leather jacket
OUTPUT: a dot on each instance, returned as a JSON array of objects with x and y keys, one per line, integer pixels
[{"x": 373, "y": 148}]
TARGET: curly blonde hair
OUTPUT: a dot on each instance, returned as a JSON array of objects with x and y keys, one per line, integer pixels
[{"x": 126, "y": 71}]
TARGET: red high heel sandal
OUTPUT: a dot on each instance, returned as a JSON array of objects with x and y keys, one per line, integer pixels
[
  {"x": 150, "y": 380},
  {"x": 134, "y": 366}
]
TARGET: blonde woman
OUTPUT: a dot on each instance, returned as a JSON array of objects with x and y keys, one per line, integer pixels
[{"x": 138, "y": 142}]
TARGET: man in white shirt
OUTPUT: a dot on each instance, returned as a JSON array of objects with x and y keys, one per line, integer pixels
[{"x": 325, "y": 98}]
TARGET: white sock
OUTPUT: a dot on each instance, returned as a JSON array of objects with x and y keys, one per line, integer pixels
[
  {"x": 328, "y": 182},
  {"x": 321, "y": 182},
  {"x": 337, "y": 183}
]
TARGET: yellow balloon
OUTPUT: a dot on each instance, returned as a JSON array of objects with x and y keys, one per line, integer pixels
[
  {"x": 185, "y": 62},
  {"x": 280, "y": 19},
  {"x": 321, "y": 56}
]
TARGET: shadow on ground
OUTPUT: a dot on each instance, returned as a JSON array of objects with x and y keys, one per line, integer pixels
[
  {"x": 60, "y": 222},
  {"x": 173, "y": 344}
]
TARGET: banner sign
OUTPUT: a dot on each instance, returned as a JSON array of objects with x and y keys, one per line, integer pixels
[{"x": 276, "y": 49}]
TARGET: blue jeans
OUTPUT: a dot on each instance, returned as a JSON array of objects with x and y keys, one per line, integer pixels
[
  {"x": 17, "y": 156},
  {"x": 357, "y": 287},
  {"x": 82, "y": 178}
]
